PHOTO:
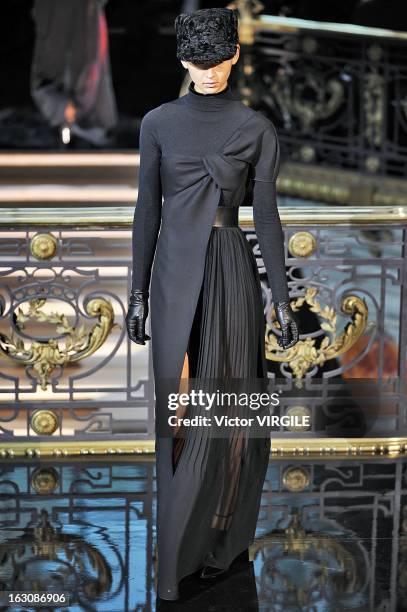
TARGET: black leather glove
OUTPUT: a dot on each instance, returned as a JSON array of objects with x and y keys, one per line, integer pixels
[
  {"x": 137, "y": 314},
  {"x": 288, "y": 324}
]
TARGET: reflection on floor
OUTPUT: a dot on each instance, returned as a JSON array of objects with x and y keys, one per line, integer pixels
[{"x": 331, "y": 536}]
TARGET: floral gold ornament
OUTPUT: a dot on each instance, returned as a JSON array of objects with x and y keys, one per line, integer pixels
[
  {"x": 296, "y": 478},
  {"x": 60, "y": 552},
  {"x": 43, "y": 246},
  {"x": 320, "y": 550},
  {"x": 302, "y": 244},
  {"x": 304, "y": 355},
  {"x": 44, "y": 422},
  {"x": 42, "y": 358}
]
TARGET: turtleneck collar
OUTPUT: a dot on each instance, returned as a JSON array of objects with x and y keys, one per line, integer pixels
[{"x": 208, "y": 102}]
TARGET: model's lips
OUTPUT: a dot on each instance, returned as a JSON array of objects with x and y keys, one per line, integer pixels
[{"x": 210, "y": 84}]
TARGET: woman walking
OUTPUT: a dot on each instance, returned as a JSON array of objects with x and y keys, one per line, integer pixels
[{"x": 199, "y": 152}]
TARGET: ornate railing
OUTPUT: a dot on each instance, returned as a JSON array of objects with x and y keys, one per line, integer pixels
[
  {"x": 71, "y": 382},
  {"x": 92, "y": 521},
  {"x": 337, "y": 94}
]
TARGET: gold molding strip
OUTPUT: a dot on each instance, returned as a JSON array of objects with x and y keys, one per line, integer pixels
[
  {"x": 293, "y": 24},
  {"x": 333, "y": 215},
  {"x": 337, "y": 186},
  {"x": 291, "y": 448},
  {"x": 64, "y": 160},
  {"x": 67, "y": 193},
  {"x": 116, "y": 217}
]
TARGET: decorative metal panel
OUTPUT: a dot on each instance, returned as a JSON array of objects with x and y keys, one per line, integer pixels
[{"x": 328, "y": 536}]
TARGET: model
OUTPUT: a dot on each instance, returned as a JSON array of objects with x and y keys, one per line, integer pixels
[{"x": 199, "y": 153}]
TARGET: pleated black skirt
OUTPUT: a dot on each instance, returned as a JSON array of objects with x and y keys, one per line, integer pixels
[{"x": 215, "y": 495}]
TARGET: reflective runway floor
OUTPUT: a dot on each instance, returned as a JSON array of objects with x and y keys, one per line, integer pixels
[{"x": 331, "y": 536}]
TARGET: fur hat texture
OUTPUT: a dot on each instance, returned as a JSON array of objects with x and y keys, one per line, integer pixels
[{"x": 207, "y": 36}]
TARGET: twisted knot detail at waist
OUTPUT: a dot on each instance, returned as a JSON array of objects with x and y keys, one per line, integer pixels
[{"x": 226, "y": 169}]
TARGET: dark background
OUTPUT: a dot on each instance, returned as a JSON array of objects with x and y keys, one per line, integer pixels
[{"x": 144, "y": 66}]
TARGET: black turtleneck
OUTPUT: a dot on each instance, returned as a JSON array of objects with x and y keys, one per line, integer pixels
[
  {"x": 199, "y": 124},
  {"x": 209, "y": 101}
]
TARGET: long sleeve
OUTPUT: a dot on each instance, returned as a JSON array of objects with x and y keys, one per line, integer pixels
[
  {"x": 265, "y": 213},
  {"x": 147, "y": 215}
]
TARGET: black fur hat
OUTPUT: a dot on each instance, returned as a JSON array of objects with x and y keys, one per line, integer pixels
[{"x": 207, "y": 36}]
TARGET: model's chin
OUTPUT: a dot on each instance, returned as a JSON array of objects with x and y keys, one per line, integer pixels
[{"x": 211, "y": 88}]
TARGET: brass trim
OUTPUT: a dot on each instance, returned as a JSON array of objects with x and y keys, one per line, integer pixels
[
  {"x": 71, "y": 193},
  {"x": 337, "y": 186},
  {"x": 293, "y": 25},
  {"x": 121, "y": 217},
  {"x": 280, "y": 448},
  {"x": 248, "y": 10},
  {"x": 64, "y": 160}
]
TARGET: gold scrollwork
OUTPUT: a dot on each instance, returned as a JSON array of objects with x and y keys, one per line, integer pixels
[
  {"x": 291, "y": 93},
  {"x": 43, "y": 246},
  {"x": 304, "y": 355},
  {"x": 295, "y": 542},
  {"x": 58, "y": 553},
  {"x": 44, "y": 422},
  {"x": 45, "y": 356},
  {"x": 302, "y": 244}
]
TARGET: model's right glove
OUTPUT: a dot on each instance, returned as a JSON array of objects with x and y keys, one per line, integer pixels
[
  {"x": 137, "y": 314},
  {"x": 288, "y": 324}
]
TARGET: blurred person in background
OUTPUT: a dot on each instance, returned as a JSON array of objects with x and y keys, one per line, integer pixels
[{"x": 70, "y": 75}]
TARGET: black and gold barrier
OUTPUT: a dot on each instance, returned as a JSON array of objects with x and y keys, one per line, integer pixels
[
  {"x": 337, "y": 94},
  {"x": 71, "y": 383},
  {"x": 328, "y": 535}
]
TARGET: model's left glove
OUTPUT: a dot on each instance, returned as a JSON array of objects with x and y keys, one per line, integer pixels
[
  {"x": 288, "y": 324},
  {"x": 137, "y": 314}
]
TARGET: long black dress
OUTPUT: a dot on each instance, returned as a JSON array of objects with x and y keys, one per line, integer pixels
[{"x": 200, "y": 151}]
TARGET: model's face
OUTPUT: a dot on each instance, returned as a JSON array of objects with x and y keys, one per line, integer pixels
[{"x": 213, "y": 79}]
